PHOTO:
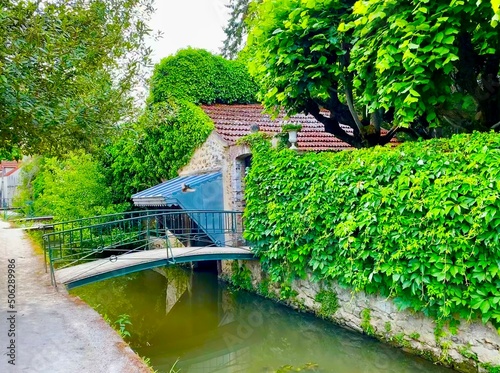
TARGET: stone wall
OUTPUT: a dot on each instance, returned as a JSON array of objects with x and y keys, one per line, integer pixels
[
  {"x": 209, "y": 157},
  {"x": 467, "y": 347},
  {"x": 216, "y": 155}
]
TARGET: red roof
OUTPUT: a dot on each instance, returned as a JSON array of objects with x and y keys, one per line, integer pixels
[
  {"x": 234, "y": 121},
  {"x": 9, "y": 166}
]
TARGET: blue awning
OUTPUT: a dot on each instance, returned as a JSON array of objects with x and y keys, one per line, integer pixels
[{"x": 204, "y": 193}]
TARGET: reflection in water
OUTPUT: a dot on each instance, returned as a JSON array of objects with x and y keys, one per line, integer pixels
[{"x": 178, "y": 314}]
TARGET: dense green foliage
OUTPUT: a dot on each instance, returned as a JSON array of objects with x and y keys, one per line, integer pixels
[
  {"x": 419, "y": 223},
  {"x": 495, "y": 4},
  {"x": 200, "y": 77},
  {"x": 410, "y": 66},
  {"x": 29, "y": 187},
  {"x": 68, "y": 188},
  {"x": 155, "y": 147},
  {"x": 66, "y": 71}
]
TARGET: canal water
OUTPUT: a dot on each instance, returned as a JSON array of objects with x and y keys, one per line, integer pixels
[{"x": 191, "y": 318}]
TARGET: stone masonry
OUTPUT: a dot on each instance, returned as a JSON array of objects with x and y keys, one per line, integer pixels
[
  {"x": 216, "y": 155},
  {"x": 209, "y": 157}
]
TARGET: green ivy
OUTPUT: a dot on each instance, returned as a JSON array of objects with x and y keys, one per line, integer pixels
[
  {"x": 200, "y": 77},
  {"x": 155, "y": 147},
  {"x": 419, "y": 223},
  {"x": 329, "y": 303},
  {"x": 241, "y": 277}
]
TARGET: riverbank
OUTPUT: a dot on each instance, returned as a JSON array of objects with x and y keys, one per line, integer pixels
[{"x": 51, "y": 331}]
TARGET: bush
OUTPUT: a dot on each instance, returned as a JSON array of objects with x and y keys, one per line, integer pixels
[
  {"x": 419, "y": 223},
  {"x": 156, "y": 147},
  {"x": 68, "y": 188},
  {"x": 200, "y": 77}
]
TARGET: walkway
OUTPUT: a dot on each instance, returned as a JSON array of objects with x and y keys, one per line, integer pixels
[
  {"x": 54, "y": 331},
  {"x": 119, "y": 265}
]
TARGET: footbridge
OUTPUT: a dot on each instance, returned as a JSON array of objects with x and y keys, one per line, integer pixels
[{"x": 83, "y": 251}]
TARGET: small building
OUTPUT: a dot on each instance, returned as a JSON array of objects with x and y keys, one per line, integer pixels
[
  {"x": 214, "y": 177},
  {"x": 9, "y": 181}
]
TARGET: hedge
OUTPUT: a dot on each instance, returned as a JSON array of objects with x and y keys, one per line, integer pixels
[
  {"x": 419, "y": 223},
  {"x": 200, "y": 77}
]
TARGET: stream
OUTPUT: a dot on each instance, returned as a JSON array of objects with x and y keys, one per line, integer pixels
[{"x": 191, "y": 319}]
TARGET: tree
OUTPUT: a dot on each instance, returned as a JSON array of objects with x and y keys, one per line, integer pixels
[
  {"x": 66, "y": 71},
  {"x": 68, "y": 188},
  {"x": 405, "y": 65},
  {"x": 236, "y": 29},
  {"x": 200, "y": 77}
]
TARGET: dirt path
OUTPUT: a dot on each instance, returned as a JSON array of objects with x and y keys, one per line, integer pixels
[{"x": 54, "y": 332}]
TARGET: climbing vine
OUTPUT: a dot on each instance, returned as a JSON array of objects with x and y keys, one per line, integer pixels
[
  {"x": 155, "y": 147},
  {"x": 418, "y": 223},
  {"x": 241, "y": 277}
]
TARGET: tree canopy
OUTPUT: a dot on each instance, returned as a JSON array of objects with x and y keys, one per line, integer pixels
[
  {"x": 66, "y": 70},
  {"x": 236, "y": 29},
  {"x": 200, "y": 77},
  {"x": 408, "y": 65},
  {"x": 71, "y": 187}
]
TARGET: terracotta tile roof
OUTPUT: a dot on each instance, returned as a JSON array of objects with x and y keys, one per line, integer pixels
[{"x": 234, "y": 121}]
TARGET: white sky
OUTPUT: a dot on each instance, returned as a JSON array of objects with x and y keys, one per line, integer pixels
[{"x": 195, "y": 23}]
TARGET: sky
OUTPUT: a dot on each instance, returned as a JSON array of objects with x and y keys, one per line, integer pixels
[{"x": 195, "y": 23}]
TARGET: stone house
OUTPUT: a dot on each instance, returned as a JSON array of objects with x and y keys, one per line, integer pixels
[{"x": 214, "y": 177}]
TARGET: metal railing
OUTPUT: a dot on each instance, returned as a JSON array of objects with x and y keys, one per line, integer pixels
[
  {"x": 89, "y": 239},
  {"x": 101, "y": 219}
]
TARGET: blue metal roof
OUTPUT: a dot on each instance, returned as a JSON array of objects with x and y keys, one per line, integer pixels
[{"x": 207, "y": 193}]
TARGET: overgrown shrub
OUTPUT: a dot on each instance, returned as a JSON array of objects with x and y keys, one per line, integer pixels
[
  {"x": 156, "y": 147},
  {"x": 419, "y": 223},
  {"x": 200, "y": 77},
  {"x": 68, "y": 188}
]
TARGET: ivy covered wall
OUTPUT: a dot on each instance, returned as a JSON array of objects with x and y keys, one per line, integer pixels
[{"x": 419, "y": 223}]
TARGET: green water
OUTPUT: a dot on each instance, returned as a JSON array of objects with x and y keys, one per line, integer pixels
[{"x": 191, "y": 317}]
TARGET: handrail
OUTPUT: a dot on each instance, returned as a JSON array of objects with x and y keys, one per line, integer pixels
[
  {"x": 99, "y": 217},
  {"x": 138, "y": 212},
  {"x": 149, "y": 213}
]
